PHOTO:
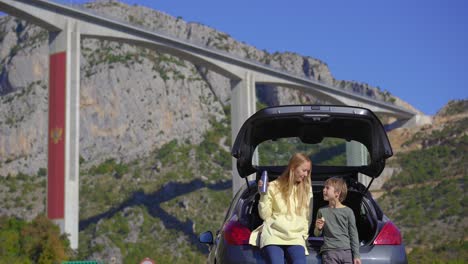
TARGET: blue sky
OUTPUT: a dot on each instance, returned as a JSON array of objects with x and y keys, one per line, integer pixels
[{"x": 417, "y": 50}]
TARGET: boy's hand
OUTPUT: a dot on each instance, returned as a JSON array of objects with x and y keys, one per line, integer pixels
[
  {"x": 357, "y": 261},
  {"x": 319, "y": 223}
]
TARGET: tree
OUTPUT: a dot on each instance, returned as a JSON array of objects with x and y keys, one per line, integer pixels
[{"x": 38, "y": 241}]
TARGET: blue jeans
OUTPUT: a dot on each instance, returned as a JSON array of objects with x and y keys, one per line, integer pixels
[{"x": 275, "y": 254}]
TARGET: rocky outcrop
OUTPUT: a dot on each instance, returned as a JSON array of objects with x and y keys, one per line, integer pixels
[{"x": 132, "y": 99}]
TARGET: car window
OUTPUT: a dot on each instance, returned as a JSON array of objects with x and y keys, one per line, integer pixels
[
  {"x": 234, "y": 202},
  {"x": 329, "y": 152}
]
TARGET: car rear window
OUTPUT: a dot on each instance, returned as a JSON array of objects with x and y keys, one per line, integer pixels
[{"x": 328, "y": 152}]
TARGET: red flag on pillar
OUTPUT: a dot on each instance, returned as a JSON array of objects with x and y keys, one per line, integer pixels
[{"x": 56, "y": 155}]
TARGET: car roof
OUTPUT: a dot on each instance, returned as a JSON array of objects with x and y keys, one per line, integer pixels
[{"x": 311, "y": 123}]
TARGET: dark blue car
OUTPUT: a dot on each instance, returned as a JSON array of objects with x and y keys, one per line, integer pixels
[{"x": 343, "y": 141}]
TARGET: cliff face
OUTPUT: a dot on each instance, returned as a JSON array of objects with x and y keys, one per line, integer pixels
[{"x": 132, "y": 100}]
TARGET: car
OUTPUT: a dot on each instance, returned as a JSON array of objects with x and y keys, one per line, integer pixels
[{"x": 329, "y": 135}]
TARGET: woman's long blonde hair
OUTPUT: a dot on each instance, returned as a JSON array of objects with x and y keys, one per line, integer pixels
[{"x": 287, "y": 181}]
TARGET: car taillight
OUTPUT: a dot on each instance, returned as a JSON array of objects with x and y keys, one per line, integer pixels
[
  {"x": 236, "y": 234},
  {"x": 389, "y": 235}
]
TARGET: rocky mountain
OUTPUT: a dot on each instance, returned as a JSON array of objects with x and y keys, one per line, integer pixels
[
  {"x": 132, "y": 99},
  {"x": 154, "y": 134}
]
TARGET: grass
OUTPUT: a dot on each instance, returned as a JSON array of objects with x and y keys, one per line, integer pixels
[{"x": 427, "y": 198}]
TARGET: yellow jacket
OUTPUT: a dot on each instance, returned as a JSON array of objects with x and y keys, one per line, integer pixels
[{"x": 280, "y": 227}]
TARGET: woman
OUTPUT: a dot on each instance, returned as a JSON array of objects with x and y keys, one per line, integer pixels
[{"x": 286, "y": 211}]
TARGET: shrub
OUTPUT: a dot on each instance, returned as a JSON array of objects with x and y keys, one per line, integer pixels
[{"x": 38, "y": 241}]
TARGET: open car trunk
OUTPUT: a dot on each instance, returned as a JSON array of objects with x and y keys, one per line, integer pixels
[{"x": 365, "y": 211}]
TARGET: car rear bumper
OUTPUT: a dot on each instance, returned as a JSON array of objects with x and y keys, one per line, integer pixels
[
  {"x": 385, "y": 254},
  {"x": 369, "y": 255}
]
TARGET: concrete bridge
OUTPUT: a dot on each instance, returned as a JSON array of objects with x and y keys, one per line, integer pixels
[{"x": 67, "y": 25}]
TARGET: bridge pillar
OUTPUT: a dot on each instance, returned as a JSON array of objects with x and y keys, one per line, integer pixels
[
  {"x": 243, "y": 105},
  {"x": 356, "y": 155},
  {"x": 63, "y": 139}
]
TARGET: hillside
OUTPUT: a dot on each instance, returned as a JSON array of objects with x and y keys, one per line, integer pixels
[
  {"x": 132, "y": 99},
  {"x": 155, "y": 168},
  {"x": 155, "y": 206},
  {"x": 427, "y": 199}
]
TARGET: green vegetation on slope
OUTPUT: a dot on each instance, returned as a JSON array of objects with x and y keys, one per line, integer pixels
[
  {"x": 454, "y": 107},
  {"x": 151, "y": 207},
  {"x": 158, "y": 205},
  {"x": 427, "y": 198},
  {"x": 455, "y": 252},
  {"x": 38, "y": 241}
]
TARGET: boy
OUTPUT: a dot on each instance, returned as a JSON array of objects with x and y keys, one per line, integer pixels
[{"x": 338, "y": 225}]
